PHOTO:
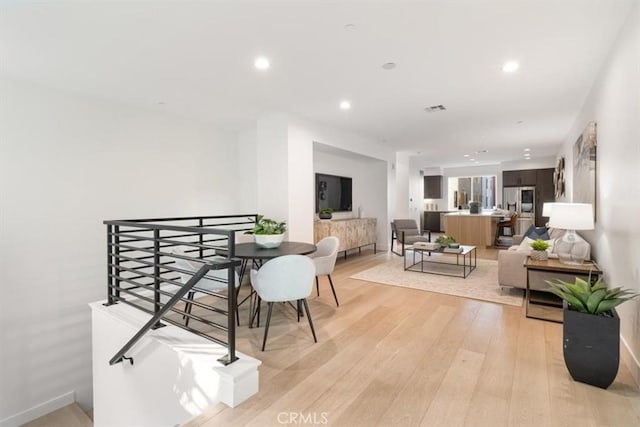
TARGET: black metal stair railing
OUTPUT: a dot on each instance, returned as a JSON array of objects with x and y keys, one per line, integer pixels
[{"x": 142, "y": 271}]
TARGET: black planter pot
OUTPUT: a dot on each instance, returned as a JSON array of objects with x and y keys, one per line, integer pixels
[
  {"x": 325, "y": 216},
  {"x": 591, "y": 347}
]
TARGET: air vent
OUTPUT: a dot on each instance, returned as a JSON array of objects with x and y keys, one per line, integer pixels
[{"x": 435, "y": 108}]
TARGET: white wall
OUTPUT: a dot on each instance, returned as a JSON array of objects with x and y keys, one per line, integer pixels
[
  {"x": 404, "y": 207},
  {"x": 247, "y": 185},
  {"x": 301, "y": 185},
  {"x": 369, "y": 186},
  {"x": 272, "y": 167},
  {"x": 614, "y": 104},
  {"x": 68, "y": 162}
]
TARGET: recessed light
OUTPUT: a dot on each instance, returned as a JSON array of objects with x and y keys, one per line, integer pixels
[
  {"x": 477, "y": 163},
  {"x": 389, "y": 65},
  {"x": 160, "y": 102},
  {"x": 527, "y": 149},
  {"x": 466, "y": 155},
  {"x": 472, "y": 160},
  {"x": 261, "y": 63},
  {"x": 345, "y": 105},
  {"x": 519, "y": 122},
  {"x": 350, "y": 27},
  {"x": 510, "y": 66}
]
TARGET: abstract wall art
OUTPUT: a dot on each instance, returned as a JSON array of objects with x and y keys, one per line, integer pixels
[{"x": 584, "y": 167}]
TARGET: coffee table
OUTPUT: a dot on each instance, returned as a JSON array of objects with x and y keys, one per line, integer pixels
[{"x": 416, "y": 259}]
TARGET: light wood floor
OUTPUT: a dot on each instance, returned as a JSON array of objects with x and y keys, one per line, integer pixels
[{"x": 396, "y": 356}]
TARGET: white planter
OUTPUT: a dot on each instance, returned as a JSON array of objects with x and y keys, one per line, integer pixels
[
  {"x": 268, "y": 240},
  {"x": 539, "y": 255}
]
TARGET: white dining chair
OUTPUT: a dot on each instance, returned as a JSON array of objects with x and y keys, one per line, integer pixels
[
  {"x": 324, "y": 259},
  {"x": 284, "y": 279},
  {"x": 213, "y": 281}
]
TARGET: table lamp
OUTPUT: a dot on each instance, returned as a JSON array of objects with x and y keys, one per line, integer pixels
[
  {"x": 571, "y": 248},
  {"x": 546, "y": 210}
]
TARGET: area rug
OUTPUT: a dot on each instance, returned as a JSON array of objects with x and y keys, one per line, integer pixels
[{"x": 481, "y": 284}]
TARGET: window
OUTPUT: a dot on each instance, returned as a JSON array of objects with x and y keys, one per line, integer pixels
[{"x": 465, "y": 189}]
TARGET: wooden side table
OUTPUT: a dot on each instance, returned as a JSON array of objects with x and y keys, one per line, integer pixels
[{"x": 542, "y": 304}]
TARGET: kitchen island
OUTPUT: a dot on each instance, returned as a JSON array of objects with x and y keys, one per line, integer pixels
[{"x": 472, "y": 229}]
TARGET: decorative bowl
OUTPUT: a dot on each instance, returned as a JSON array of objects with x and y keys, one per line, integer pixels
[
  {"x": 454, "y": 245},
  {"x": 268, "y": 241}
]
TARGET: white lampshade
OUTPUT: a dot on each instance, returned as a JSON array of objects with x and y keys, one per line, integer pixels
[
  {"x": 572, "y": 216},
  {"x": 546, "y": 209}
]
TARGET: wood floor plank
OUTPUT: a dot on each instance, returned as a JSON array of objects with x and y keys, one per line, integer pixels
[
  {"x": 68, "y": 416},
  {"x": 449, "y": 329},
  {"x": 385, "y": 354},
  {"x": 492, "y": 396},
  {"x": 530, "y": 404},
  {"x": 450, "y": 406}
]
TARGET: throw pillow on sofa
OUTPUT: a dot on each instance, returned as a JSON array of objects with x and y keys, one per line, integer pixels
[{"x": 537, "y": 233}]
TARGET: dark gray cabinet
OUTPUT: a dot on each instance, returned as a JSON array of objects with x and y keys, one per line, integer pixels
[
  {"x": 431, "y": 221},
  {"x": 544, "y": 192},
  {"x": 433, "y": 187},
  {"x": 520, "y": 178}
]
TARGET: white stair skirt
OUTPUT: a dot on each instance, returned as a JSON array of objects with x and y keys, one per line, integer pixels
[{"x": 175, "y": 375}]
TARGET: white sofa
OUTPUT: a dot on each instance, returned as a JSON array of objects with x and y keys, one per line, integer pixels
[{"x": 511, "y": 271}]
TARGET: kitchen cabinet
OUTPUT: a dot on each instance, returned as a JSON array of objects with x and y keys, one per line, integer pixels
[
  {"x": 544, "y": 192},
  {"x": 433, "y": 187},
  {"x": 431, "y": 221},
  {"x": 519, "y": 178}
]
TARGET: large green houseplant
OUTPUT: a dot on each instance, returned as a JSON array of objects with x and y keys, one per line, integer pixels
[
  {"x": 591, "y": 329},
  {"x": 268, "y": 233}
]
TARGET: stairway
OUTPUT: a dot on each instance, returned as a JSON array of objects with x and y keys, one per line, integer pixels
[{"x": 69, "y": 416}]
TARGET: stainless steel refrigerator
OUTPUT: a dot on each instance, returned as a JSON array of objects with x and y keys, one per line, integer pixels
[{"x": 522, "y": 201}]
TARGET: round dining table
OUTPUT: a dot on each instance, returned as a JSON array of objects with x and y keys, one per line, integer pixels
[{"x": 251, "y": 251}]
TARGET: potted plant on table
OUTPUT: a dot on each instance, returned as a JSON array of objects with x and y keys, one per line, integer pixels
[
  {"x": 325, "y": 213},
  {"x": 591, "y": 329},
  {"x": 445, "y": 240},
  {"x": 539, "y": 252},
  {"x": 268, "y": 233}
]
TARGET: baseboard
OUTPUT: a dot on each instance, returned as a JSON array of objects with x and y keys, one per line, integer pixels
[
  {"x": 39, "y": 410},
  {"x": 631, "y": 361}
]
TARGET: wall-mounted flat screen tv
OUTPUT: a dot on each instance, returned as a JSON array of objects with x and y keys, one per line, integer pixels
[{"x": 333, "y": 192}]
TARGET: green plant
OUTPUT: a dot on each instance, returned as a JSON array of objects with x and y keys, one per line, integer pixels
[
  {"x": 326, "y": 211},
  {"x": 590, "y": 298},
  {"x": 445, "y": 240},
  {"x": 267, "y": 226},
  {"x": 539, "y": 245}
]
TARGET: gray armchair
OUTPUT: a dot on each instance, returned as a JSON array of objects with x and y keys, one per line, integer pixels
[{"x": 406, "y": 232}]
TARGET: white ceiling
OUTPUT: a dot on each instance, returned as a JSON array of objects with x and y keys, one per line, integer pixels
[{"x": 197, "y": 59}]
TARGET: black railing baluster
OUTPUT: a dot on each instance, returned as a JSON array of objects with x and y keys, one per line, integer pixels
[
  {"x": 156, "y": 273},
  {"x": 200, "y": 224},
  {"x": 116, "y": 251},
  {"x": 232, "y": 307},
  {"x": 110, "y": 263}
]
